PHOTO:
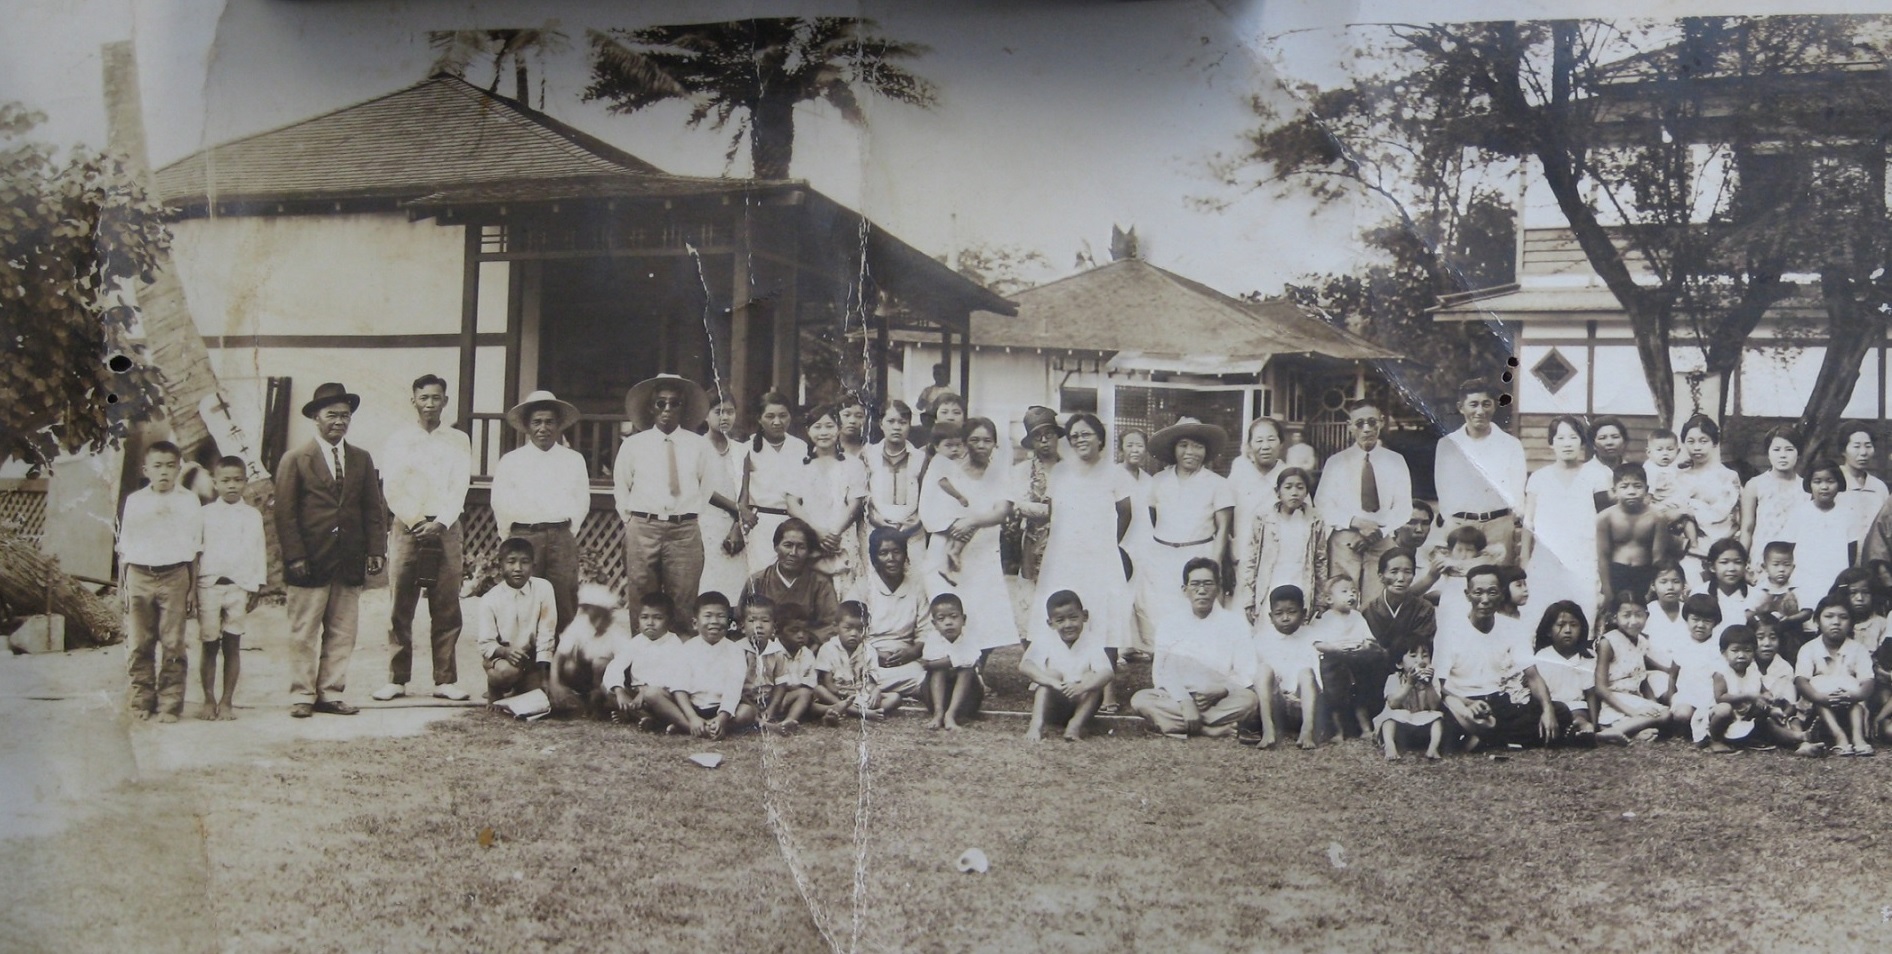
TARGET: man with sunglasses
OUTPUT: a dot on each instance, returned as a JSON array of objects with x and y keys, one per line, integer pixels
[
  {"x": 662, "y": 478},
  {"x": 1365, "y": 494}
]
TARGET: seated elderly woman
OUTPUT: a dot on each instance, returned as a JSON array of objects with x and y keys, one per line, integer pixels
[{"x": 792, "y": 579}]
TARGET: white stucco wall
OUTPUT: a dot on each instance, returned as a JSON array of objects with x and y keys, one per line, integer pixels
[{"x": 331, "y": 274}]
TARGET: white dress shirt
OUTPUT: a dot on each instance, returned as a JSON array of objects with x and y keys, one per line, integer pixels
[
  {"x": 1479, "y": 475},
  {"x": 640, "y": 475},
  {"x": 161, "y": 529},
  {"x": 233, "y": 545},
  {"x": 534, "y": 486},
  {"x": 425, "y": 473},
  {"x": 1338, "y": 498},
  {"x": 527, "y": 616},
  {"x": 1201, "y": 654}
]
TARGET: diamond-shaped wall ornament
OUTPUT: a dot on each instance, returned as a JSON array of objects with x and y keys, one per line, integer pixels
[{"x": 1554, "y": 370}]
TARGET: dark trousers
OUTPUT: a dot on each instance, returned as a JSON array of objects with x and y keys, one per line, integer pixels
[
  {"x": 1517, "y": 722},
  {"x": 443, "y": 604},
  {"x": 505, "y": 680},
  {"x": 555, "y": 558},
  {"x": 1354, "y": 678}
]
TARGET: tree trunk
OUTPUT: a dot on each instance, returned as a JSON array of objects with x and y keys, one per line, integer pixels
[
  {"x": 91, "y": 620},
  {"x": 1852, "y": 330},
  {"x": 772, "y": 136}
]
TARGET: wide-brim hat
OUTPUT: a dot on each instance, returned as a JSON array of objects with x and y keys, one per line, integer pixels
[
  {"x": 1037, "y": 418},
  {"x": 567, "y": 412},
  {"x": 1163, "y": 442},
  {"x": 695, "y": 402},
  {"x": 597, "y": 594},
  {"x": 330, "y": 393}
]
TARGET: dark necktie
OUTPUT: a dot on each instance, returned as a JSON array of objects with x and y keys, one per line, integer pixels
[
  {"x": 670, "y": 452},
  {"x": 336, "y": 449},
  {"x": 1369, "y": 485}
]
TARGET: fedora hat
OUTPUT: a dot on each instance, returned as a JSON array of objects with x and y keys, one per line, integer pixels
[
  {"x": 1163, "y": 442},
  {"x": 638, "y": 408},
  {"x": 1037, "y": 418},
  {"x": 330, "y": 393},
  {"x": 567, "y": 413}
]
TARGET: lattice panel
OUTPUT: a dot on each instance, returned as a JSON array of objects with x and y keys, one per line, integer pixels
[
  {"x": 600, "y": 545},
  {"x": 23, "y": 514}
]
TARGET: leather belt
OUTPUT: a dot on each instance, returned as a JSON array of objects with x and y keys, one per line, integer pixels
[
  {"x": 674, "y": 518},
  {"x": 168, "y": 567},
  {"x": 1179, "y": 546},
  {"x": 1482, "y": 517},
  {"x": 536, "y": 527}
]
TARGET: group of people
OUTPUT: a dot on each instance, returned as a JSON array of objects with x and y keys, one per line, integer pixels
[{"x": 809, "y": 572}]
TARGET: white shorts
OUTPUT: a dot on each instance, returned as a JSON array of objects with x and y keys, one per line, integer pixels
[{"x": 221, "y": 609}]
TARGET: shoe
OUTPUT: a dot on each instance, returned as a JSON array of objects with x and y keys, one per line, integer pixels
[
  {"x": 451, "y": 693},
  {"x": 335, "y": 707},
  {"x": 390, "y": 692},
  {"x": 1862, "y": 749},
  {"x": 301, "y": 710}
]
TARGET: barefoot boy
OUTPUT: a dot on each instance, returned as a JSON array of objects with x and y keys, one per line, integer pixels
[
  {"x": 518, "y": 625},
  {"x": 793, "y": 677},
  {"x": 1629, "y": 535},
  {"x": 1786, "y": 717},
  {"x": 1353, "y": 665},
  {"x": 952, "y": 680},
  {"x": 844, "y": 666},
  {"x": 159, "y": 539},
  {"x": 233, "y": 568},
  {"x": 1835, "y": 674},
  {"x": 1069, "y": 682},
  {"x": 1287, "y": 667}
]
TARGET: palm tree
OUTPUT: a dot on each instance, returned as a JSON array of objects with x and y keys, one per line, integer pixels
[
  {"x": 455, "y": 50},
  {"x": 761, "y": 68}
]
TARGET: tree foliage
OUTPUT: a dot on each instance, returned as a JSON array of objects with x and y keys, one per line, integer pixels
[
  {"x": 758, "y": 70},
  {"x": 455, "y": 51},
  {"x": 78, "y": 237},
  {"x": 1004, "y": 269},
  {"x": 1699, "y": 164}
]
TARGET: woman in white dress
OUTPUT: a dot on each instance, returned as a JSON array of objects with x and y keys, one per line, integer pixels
[
  {"x": 1559, "y": 546},
  {"x": 1252, "y": 476},
  {"x": 1089, "y": 497},
  {"x": 725, "y": 568},
  {"x": 1708, "y": 490},
  {"x": 1132, "y": 450},
  {"x": 772, "y": 465},
  {"x": 981, "y": 585},
  {"x": 1191, "y": 506},
  {"x": 829, "y": 494},
  {"x": 894, "y": 467},
  {"x": 1770, "y": 498}
]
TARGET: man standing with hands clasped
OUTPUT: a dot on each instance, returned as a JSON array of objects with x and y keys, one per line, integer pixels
[
  {"x": 663, "y": 477},
  {"x": 426, "y": 467},
  {"x": 1365, "y": 494},
  {"x": 332, "y": 525}
]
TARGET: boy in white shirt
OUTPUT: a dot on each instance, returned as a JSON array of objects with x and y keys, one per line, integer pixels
[
  {"x": 518, "y": 625},
  {"x": 1068, "y": 682},
  {"x": 1353, "y": 665},
  {"x": 1287, "y": 667},
  {"x": 587, "y": 649},
  {"x": 641, "y": 676},
  {"x": 792, "y": 676},
  {"x": 952, "y": 680},
  {"x": 844, "y": 670},
  {"x": 1694, "y": 662},
  {"x": 234, "y": 566},
  {"x": 1738, "y": 693},
  {"x": 710, "y": 670},
  {"x": 1835, "y": 674},
  {"x": 159, "y": 539}
]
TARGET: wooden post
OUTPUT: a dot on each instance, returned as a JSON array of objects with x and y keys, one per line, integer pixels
[
  {"x": 965, "y": 366},
  {"x": 739, "y": 324},
  {"x": 881, "y": 339},
  {"x": 787, "y": 342},
  {"x": 469, "y": 323}
]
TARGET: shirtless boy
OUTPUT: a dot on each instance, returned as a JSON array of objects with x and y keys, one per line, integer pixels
[{"x": 1629, "y": 535}]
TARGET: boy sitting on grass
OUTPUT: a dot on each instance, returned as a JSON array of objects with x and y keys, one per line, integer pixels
[
  {"x": 709, "y": 675},
  {"x": 755, "y": 631},
  {"x": 792, "y": 677},
  {"x": 1068, "y": 682},
  {"x": 1835, "y": 675},
  {"x": 234, "y": 566},
  {"x": 952, "y": 665},
  {"x": 518, "y": 625},
  {"x": 1287, "y": 668},
  {"x": 844, "y": 666},
  {"x": 587, "y": 649},
  {"x": 641, "y": 676},
  {"x": 1785, "y": 715},
  {"x": 1629, "y": 534},
  {"x": 1694, "y": 663}
]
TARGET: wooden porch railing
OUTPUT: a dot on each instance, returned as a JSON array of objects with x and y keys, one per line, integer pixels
[{"x": 596, "y": 437}]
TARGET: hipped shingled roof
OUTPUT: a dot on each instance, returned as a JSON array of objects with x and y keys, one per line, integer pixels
[
  {"x": 442, "y": 133},
  {"x": 1132, "y": 306}
]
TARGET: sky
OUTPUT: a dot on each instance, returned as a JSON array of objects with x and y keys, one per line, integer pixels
[{"x": 1058, "y": 118}]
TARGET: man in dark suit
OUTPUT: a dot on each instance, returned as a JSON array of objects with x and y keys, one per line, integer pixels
[{"x": 333, "y": 527}]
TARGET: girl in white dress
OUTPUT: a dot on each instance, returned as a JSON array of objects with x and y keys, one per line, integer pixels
[
  {"x": 773, "y": 464},
  {"x": 1769, "y": 499},
  {"x": 1132, "y": 449},
  {"x": 1822, "y": 529},
  {"x": 829, "y": 494},
  {"x": 1625, "y": 704},
  {"x": 1089, "y": 497},
  {"x": 725, "y": 567},
  {"x": 1666, "y": 636},
  {"x": 1559, "y": 545}
]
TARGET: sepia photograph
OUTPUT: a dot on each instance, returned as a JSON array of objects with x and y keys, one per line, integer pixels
[{"x": 1060, "y": 475}]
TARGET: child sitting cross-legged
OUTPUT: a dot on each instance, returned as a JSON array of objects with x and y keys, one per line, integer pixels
[
  {"x": 952, "y": 682},
  {"x": 518, "y": 624},
  {"x": 710, "y": 670},
  {"x": 1785, "y": 721},
  {"x": 793, "y": 677},
  {"x": 1068, "y": 681},
  {"x": 1569, "y": 671},
  {"x": 1834, "y": 673},
  {"x": 1413, "y": 706},
  {"x": 586, "y": 650},
  {"x": 844, "y": 668},
  {"x": 1625, "y": 705},
  {"x": 641, "y": 676}
]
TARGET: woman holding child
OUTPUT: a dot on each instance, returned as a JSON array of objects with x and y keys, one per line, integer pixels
[
  {"x": 1708, "y": 491},
  {"x": 980, "y": 585}
]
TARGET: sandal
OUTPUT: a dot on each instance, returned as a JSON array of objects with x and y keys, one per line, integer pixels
[{"x": 1109, "y": 708}]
